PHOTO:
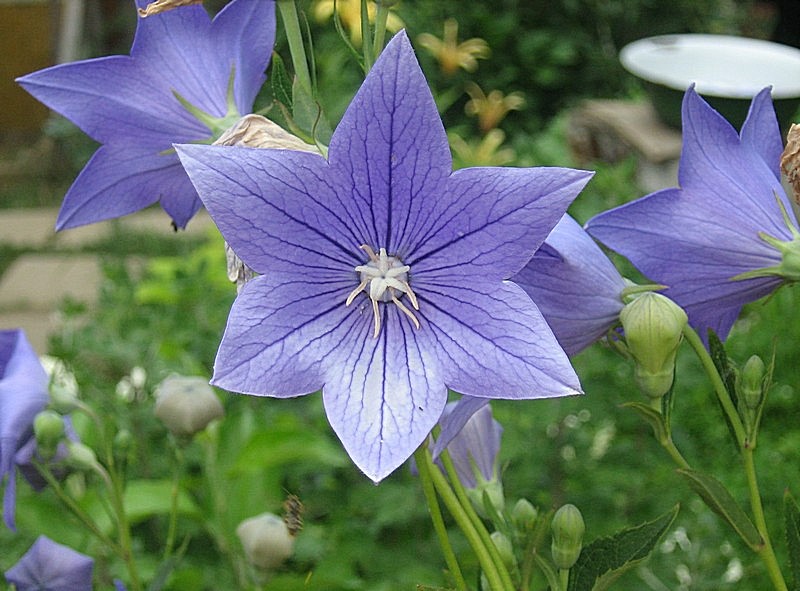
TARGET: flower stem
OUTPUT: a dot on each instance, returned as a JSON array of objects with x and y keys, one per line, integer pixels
[
  {"x": 75, "y": 509},
  {"x": 423, "y": 466},
  {"x": 461, "y": 494},
  {"x": 115, "y": 491},
  {"x": 465, "y": 524},
  {"x": 174, "y": 494},
  {"x": 380, "y": 28},
  {"x": 291, "y": 24},
  {"x": 767, "y": 554},
  {"x": 675, "y": 454},
  {"x": 719, "y": 386}
]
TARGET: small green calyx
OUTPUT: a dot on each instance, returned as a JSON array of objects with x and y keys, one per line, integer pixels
[
  {"x": 789, "y": 267},
  {"x": 216, "y": 125},
  {"x": 653, "y": 326}
]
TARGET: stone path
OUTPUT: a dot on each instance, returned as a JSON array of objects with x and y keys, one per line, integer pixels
[{"x": 33, "y": 288}]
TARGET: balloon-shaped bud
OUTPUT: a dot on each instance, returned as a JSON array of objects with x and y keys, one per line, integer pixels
[
  {"x": 266, "y": 540},
  {"x": 186, "y": 405},
  {"x": 653, "y": 326},
  {"x": 567, "y": 529}
]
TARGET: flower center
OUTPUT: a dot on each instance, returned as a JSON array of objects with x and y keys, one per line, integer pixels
[{"x": 384, "y": 279}]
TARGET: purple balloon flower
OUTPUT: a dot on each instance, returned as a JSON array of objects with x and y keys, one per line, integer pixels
[
  {"x": 475, "y": 446},
  {"x": 384, "y": 274},
  {"x": 48, "y": 566},
  {"x": 700, "y": 238},
  {"x": 130, "y": 104},
  {"x": 23, "y": 394},
  {"x": 576, "y": 287}
]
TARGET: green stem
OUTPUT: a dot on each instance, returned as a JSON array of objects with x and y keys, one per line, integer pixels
[
  {"x": 381, "y": 18},
  {"x": 477, "y": 523},
  {"x": 563, "y": 577},
  {"x": 465, "y": 524},
  {"x": 117, "y": 494},
  {"x": 366, "y": 38},
  {"x": 767, "y": 554},
  {"x": 428, "y": 488},
  {"x": 75, "y": 509},
  {"x": 173, "y": 512},
  {"x": 675, "y": 454},
  {"x": 719, "y": 385},
  {"x": 294, "y": 36}
]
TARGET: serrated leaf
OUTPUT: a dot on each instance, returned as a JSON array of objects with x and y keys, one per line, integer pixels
[
  {"x": 606, "y": 559},
  {"x": 721, "y": 502},
  {"x": 281, "y": 82},
  {"x": 793, "y": 538},
  {"x": 653, "y": 417}
]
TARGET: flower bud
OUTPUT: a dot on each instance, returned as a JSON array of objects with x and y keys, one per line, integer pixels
[
  {"x": 653, "y": 326},
  {"x": 186, "y": 405},
  {"x": 567, "y": 530},
  {"x": 505, "y": 549},
  {"x": 494, "y": 492},
  {"x": 751, "y": 382},
  {"x": 62, "y": 398},
  {"x": 266, "y": 540},
  {"x": 48, "y": 427},
  {"x": 524, "y": 516},
  {"x": 81, "y": 456}
]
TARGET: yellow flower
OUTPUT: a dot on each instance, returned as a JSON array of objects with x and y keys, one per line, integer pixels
[
  {"x": 486, "y": 152},
  {"x": 451, "y": 54},
  {"x": 491, "y": 109},
  {"x": 350, "y": 15}
]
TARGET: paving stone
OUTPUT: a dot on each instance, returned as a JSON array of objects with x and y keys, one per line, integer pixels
[
  {"x": 27, "y": 228},
  {"x": 41, "y": 282}
]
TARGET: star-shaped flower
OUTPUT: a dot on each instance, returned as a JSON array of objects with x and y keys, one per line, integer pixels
[
  {"x": 49, "y": 566},
  {"x": 577, "y": 289},
  {"x": 384, "y": 274},
  {"x": 727, "y": 236},
  {"x": 23, "y": 393},
  {"x": 137, "y": 106}
]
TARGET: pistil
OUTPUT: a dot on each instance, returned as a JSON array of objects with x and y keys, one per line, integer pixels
[{"x": 384, "y": 279}]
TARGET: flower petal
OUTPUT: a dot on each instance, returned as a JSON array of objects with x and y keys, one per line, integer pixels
[
  {"x": 276, "y": 208},
  {"x": 453, "y": 422},
  {"x": 490, "y": 221},
  {"x": 383, "y": 396},
  {"x": 761, "y": 132},
  {"x": 120, "y": 180},
  {"x": 280, "y": 331},
  {"x": 493, "y": 342},
  {"x": 116, "y": 99},
  {"x": 391, "y": 150},
  {"x": 574, "y": 285},
  {"x": 52, "y": 566}
]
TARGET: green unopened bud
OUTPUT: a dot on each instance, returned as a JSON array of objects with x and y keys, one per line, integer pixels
[
  {"x": 524, "y": 516},
  {"x": 82, "y": 457},
  {"x": 492, "y": 490},
  {"x": 653, "y": 327},
  {"x": 186, "y": 405},
  {"x": 123, "y": 443},
  {"x": 48, "y": 428},
  {"x": 567, "y": 529},
  {"x": 266, "y": 540},
  {"x": 505, "y": 549},
  {"x": 751, "y": 382}
]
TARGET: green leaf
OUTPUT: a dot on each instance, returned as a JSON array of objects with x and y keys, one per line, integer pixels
[
  {"x": 606, "y": 559},
  {"x": 281, "y": 82},
  {"x": 720, "y": 501},
  {"x": 287, "y": 444},
  {"x": 146, "y": 498},
  {"x": 793, "y": 537},
  {"x": 728, "y": 374},
  {"x": 549, "y": 571},
  {"x": 652, "y": 416},
  {"x": 307, "y": 114}
]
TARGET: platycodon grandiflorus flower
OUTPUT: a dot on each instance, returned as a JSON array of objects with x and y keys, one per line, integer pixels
[
  {"x": 727, "y": 236},
  {"x": 384, "y": 275},
  {"x": 187, "y": 79}
]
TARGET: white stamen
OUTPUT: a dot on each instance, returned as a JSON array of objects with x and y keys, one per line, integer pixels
[{"x": 384, "y": 279}]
